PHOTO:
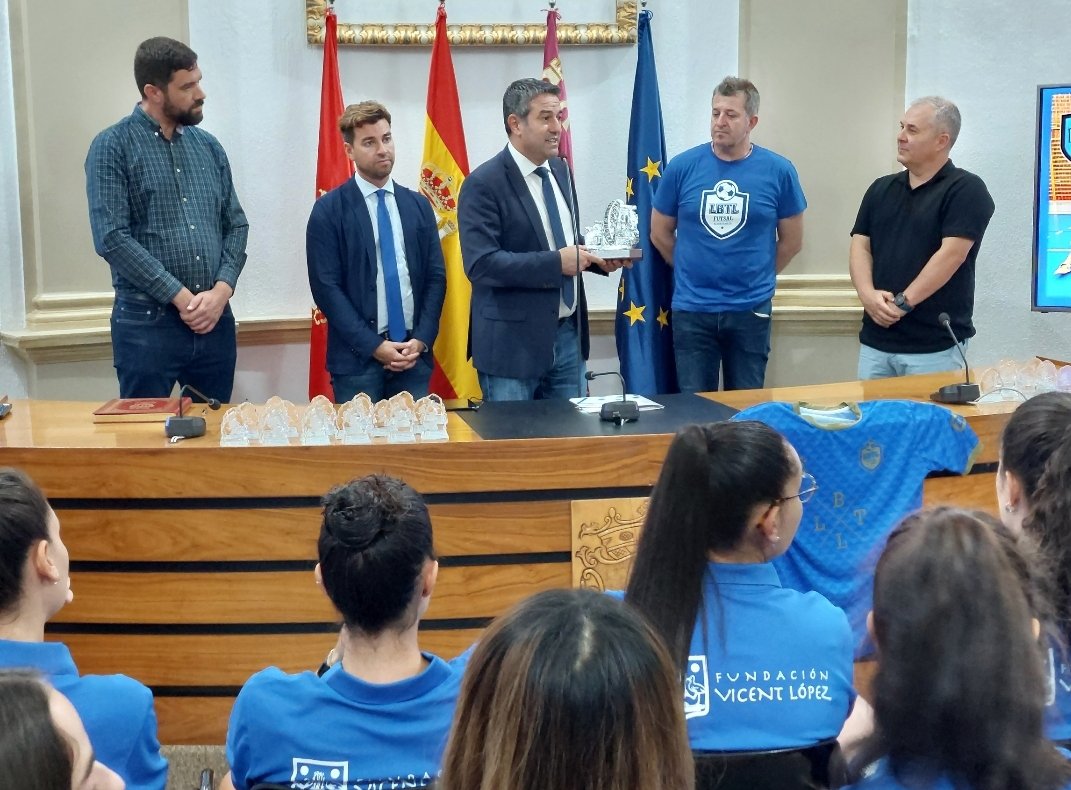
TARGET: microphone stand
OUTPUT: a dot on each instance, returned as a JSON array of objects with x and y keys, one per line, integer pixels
[
  {"x": 188, "y": 427},
  {"x": 956, "y": 394},
  {"x": 617, "y": 412}
]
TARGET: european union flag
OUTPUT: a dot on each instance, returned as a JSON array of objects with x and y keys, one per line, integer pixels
[{"x": 642, "y": 326}]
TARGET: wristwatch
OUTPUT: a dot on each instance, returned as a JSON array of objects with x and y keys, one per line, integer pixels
[{"x": 901, "y": 301}]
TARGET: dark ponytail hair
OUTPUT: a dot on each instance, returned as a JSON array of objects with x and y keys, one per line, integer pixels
[
  {"x": 374, "y": 541},
  {"x": 1049, "y": 521},
  {"x": 1035, "y": 430},
  {"x": 713, "y": 477},
  {"x": 960, "y": 688},
  {"x": 24, "y": 513}
]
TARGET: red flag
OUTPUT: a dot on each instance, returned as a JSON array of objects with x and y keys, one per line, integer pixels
[
  {"x": 552, "y": 73},
  {"x": 445, "y": 165},
  {"x": 333, "y": 167}
]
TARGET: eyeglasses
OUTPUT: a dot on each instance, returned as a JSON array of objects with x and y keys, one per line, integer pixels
[{"x": 808, "y": 485}]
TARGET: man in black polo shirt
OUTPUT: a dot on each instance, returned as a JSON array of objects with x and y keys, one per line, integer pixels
[{"x": 913, "y": 249}]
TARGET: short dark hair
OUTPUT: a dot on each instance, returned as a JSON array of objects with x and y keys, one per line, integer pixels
[
  {"x": 158, "y": 58},
  {"x": 360, "y": 114},
  {"x": 570, "y": 689},
  {"x": 34, "y": 754},
  {"x": 712, "y": 478},
  {"x": 374, "y": 541},
  {"x": 731, "y": 86},
  {"x": 24, "y": 514},
  {"x": 960, "y": 688},
  {"x": 517, "y": 100}
]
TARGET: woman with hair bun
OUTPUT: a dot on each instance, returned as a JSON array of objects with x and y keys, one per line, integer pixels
[{"x": 379, "y": 716}]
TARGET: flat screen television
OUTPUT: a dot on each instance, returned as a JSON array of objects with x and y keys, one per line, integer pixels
[{"x": 1051, "y": 282}]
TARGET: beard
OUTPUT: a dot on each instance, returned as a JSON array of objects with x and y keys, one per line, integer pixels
[{"x": 189, "y": 117}]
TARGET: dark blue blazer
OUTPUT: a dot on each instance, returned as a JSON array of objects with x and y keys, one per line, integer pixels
[
  {"x": 516, "y": 278},
  {"x": 341, "y": 253}
]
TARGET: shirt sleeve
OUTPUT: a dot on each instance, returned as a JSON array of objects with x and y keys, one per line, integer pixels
[
  {"x": 238, "y": 743},
  {"x": 862, "y": 219},
  {"x": 665, "y": 198},
  {"x": 235, "y": 226},
  {"x": 949, "y": 442},
  {"x": 967, "y": 209},
  {"x": 792, "y": 200},
  {"x": 146, "y": 767},
  {"x": 109, "y": 218}
]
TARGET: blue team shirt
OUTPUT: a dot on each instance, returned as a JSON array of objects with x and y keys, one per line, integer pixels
[
  {"x": 1058, "y": 710},
  {"x": 117, "y": 711},
  {"x": 780, "y": 678},
  {"x": 338, "y": 732},
  {"x": 727, "y": 215},
  {"x": 870, "y": 461}
]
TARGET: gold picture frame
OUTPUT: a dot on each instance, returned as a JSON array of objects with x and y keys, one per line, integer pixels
[{"x": 621, "y": 31}]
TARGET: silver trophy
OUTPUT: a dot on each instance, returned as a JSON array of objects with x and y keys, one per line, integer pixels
[{"x": 617, "y": 235}]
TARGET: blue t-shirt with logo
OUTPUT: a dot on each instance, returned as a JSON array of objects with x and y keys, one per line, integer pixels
[
  {"x": 338, "y": 732},
  {"x": 117, "y": 711},
  {"x": 870, "y": 461},
  {"x": 727, "y": 215},
  {"x": 768, "y": 667}
]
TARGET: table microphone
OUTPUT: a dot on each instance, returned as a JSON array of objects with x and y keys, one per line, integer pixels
[
  {"x": 956, "y": 393},
  {"x": 620, "y": 411},
  {"x": 188, "y": 427}
]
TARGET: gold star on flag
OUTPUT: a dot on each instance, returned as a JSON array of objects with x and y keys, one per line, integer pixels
[
  {"x": 651, "y": 170},
  {"x": 621, "y": 290},
  {"x": 635, "y": 313},
  {"x": 628, "y": 188},
  {"x": 663, "y": 317}
]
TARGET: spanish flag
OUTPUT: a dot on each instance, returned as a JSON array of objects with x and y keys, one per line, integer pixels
[
  {"x": 445, "y": 165},
  {"x": 333, "y": 167}
]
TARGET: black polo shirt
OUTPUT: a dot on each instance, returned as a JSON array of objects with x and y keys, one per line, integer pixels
[{"x": 906, "y": 227}]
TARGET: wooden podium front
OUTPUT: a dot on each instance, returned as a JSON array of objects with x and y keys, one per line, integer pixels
[{"x": 192, "y": 563}]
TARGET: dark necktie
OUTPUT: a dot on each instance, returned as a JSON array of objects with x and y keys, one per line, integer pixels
[
  {"x": 557, "y": 230},
  {"x": 395, "y": 313}
]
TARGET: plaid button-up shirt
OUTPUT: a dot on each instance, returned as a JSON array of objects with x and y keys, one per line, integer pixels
[{"x": 164, "y": 213}]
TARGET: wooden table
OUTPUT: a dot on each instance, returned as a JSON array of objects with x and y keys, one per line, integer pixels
[{"x": 192, "y": 563}]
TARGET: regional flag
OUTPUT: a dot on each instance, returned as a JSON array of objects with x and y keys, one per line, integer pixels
[
  {"x": 333, "y": 167},
  {"x": 642, "y": 326},
  {"x": 552, "y": 73},
  {"x": 446, "y": 163}
]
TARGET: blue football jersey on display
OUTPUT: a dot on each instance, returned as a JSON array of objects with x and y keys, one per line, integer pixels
[{"x": 870, "y": 460}]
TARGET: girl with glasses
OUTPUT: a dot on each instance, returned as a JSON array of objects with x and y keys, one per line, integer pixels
[{"x": 764, "y": 667}]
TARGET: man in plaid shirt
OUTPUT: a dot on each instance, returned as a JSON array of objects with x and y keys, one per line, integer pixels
[{"x": 166, "y": 218}]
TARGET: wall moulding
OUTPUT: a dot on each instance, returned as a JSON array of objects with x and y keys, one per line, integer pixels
[
  {"x": 69, "y": 327},
  {"x": 621, "y": 30}
]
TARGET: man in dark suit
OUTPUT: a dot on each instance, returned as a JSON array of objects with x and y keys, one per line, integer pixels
[
  {"x": 376, "y": 269},
  {"x": 528, "y": 326}
]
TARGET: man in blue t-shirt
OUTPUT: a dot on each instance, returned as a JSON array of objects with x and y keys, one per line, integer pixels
[{"x": 728, "y": 216}]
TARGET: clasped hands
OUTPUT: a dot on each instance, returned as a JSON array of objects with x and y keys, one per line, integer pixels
[
  {"x": 397, "y": 357},
  {"x": 881, "y": 308}
]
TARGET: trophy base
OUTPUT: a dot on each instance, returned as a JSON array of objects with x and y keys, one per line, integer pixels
[{"x": 608, "y": 253}]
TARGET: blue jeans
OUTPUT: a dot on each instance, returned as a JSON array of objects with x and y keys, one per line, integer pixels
[
  {"x": 378, "y": 383},
  {"x": 737, "y": 342},
  {"x": 153, "y": 350},
  {"x": 874, "y": 364},
  {"x": 561, "y": 381}
]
